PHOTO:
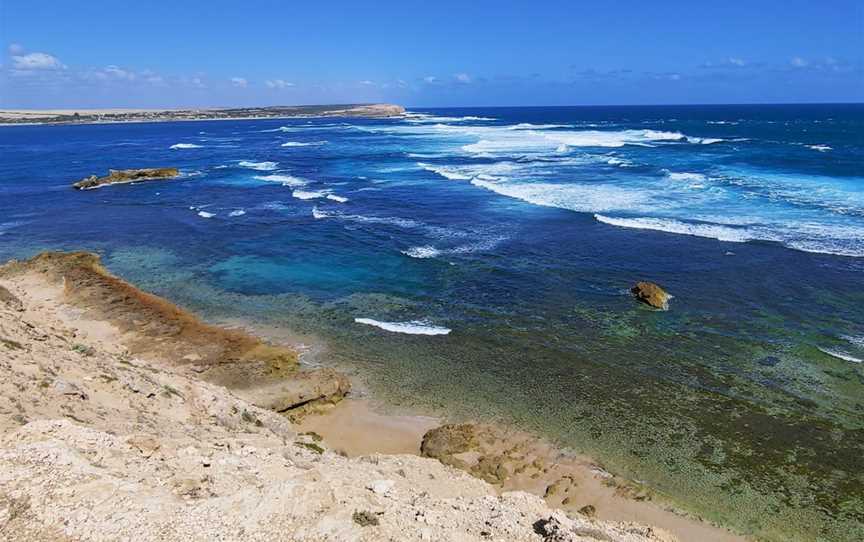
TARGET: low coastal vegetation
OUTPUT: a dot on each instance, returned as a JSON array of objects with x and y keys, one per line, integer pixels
[{"x": 91, "y": 116}]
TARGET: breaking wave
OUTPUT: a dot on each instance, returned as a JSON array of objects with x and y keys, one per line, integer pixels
[{"x": 414, "y": 327}]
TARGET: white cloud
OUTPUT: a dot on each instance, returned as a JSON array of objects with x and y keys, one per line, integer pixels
[
  {"x": 16, "y": 49},
  {"x": 36, "y": 61},
  {"x": 115, "y": 72},
  {"x": 278, "y": 83},
  {"x": 367, "y": 82},
  {"x": 463, "y": 78},
  {"x": 240, "y": 82},
  {"x": 736, "y": 61},
  {"x": 799, "y": 62},
  {"x": 430, "y": 79}
]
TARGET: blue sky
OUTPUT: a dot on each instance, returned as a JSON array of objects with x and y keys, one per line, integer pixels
[{"x": 221, "y": 53}]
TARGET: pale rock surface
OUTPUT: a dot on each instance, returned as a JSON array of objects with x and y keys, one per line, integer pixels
[{"x": 97, "y": 445}]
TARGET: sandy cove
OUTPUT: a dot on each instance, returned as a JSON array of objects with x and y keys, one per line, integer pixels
[{"x": 198, "y": 431}]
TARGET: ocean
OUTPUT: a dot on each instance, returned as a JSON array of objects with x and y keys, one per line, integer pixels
[{"x": 476, "y": 263}]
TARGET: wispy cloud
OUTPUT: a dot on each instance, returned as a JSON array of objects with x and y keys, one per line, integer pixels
[
  {"x": 463, "y": 78},
  {"x": 239, "y": 82},
  {"x": 278, "y": 83},
  {"x": 35, "y": 61}
]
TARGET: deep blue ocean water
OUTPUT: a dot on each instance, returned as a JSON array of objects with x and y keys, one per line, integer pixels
[{"x": 487, "y": 254}]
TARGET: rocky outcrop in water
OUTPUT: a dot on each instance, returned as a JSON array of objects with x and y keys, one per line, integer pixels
[
  {"x": 651, "y": 294},
  {"x": 122, "y": 176}
]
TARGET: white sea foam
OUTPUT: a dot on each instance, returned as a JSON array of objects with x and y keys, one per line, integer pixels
[
  {"x": 713, "y": 231},
  {"x": 582, "y": 198},
  {"x": 820, "y": 148},
  {"x": 857, "y": 341},
  {"x": 840, "y": 355},
  {"x": 303, "y": 143},
  {"x": 238, "y": 212},
  {"x": 704, "y": 140},
  {"x": 427, "y": 251},
  {"x": 685, "y": 176},
  {"x": 406, "y": 223},
  {"x": 286, "y": 180},
  {"x": 334, "y": 197},
  {"x": 260, "y": 166},
  {"x": 447, "y": 172},
  {"x": 205, "y": 214},
  {"x": 308, "y": 194},
  {"x": 414, "y": 327},
  {"x": 185, "y": 146}
]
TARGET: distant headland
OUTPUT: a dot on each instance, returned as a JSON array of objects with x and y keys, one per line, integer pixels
[{"x": 98, "y": 116}]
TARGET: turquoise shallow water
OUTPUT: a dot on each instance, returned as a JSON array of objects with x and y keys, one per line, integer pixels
[{"x": 519, "y": 231}]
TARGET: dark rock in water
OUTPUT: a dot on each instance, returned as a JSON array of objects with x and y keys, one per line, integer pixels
[
  {"x": 651, "y": 294},
  {"x": 769, "y": 361},
  {"x": 120, "y": 176}
]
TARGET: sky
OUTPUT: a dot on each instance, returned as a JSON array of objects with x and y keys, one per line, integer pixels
[{"x": 184, "y": 53}]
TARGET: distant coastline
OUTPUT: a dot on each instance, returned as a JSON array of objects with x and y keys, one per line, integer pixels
[{"x": 23, "y": 117}]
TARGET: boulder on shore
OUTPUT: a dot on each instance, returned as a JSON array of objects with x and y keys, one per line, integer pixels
[
  {"x": 120, "y": 176},
  {"x": 651, "y": 294}
]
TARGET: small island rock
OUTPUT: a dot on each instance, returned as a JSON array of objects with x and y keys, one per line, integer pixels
[
  {"x": 120, "y": 176},
  {"x": 651, "y": 294}
]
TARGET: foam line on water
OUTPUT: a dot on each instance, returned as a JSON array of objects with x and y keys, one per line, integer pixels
[{"x": 414, "y": 327}]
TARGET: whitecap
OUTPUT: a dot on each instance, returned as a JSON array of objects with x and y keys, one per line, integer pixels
[
  {"x": 238, "y": 212},
  {"x": 205, "y": 214},
  {"x": 308, "y": 194},
  {"x": 685, "y": 176},
  {"x": 820, "y": 148},
  {"x": 286, "y": 180},
  {"x": 414, "y": 327},
  {"x": 426, "y": 251},
  {"x": 185, "y": 146},
  {"x": 446, "y": 172},
  {"x": 303, "y": 144},
  {"x": 704, "y": 140},
  {"x": 339, "y": 199},
  {"x": 261, "y": 166},
  {"x": 668, "y": 225}
]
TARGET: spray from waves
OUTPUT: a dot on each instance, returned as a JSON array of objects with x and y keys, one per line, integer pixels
[
  {"x": 303, "y": 144},
  {"x": 414, "y": 327},
  {"x": 286, "y": 180},
  {"x": 260, "y": 166},
  {"x": 184, "y": 146}
]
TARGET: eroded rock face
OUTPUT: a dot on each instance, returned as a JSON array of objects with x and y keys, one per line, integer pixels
[
  {"x": 651, "y": 294},
  {"x": 120, "y": 176},
  {"x": 9, "y": 300}
]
